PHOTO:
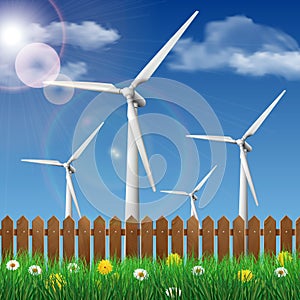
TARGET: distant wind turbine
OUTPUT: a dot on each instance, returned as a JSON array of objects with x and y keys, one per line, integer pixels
[
  {"x": 134, "y": 100},
  {"x": 70, "y": 170},
  {"x": 192, "y": 195},
  {"x": 244, "y": 148}
]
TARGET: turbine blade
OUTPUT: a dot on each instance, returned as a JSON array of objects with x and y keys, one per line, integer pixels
[
  {"x": 226, "y": 139},
  {"x": 176, "y": 192},
  {"x": 133, "y": 123},
  {"x": 79, "y": 151},
  {"x": 90, "y": 86},
  {"x": 193, "y": 209},
  {"x": 263, "y": 116},
  {"x": 44, "y": 162},
  {"x": 154, "y": 63},
  {"x": 246, "y": 169},
  {"x": 71, "y": 189},
  {"x": 202, "y": 182}
]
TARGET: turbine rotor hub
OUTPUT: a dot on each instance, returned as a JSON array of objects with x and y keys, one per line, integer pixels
[{"x": 128, "y": 92}]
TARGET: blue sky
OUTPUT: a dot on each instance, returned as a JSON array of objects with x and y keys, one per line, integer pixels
[{"x": 230, "y": 64}]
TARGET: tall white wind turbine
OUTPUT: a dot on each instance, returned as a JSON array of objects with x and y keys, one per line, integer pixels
[
  {"x": 70, "y": 170},
  {"x": 192, "y": 195},
  {"x": 245, "y": 175},
  {"x": 134, "y": 100}
]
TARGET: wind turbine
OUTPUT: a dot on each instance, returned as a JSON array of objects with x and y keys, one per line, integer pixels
[
  {"x": 245, "y": 175},
  {"x": 192, "y": 195},
  {"x": 134, "y": 100},
  {"x": 70, "y": 170}
]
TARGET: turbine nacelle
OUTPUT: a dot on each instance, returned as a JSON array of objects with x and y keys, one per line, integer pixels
[
  {"x": 194, "y": 197},
  {"x": 243, "y": 144},
  {"x": 131, "y": 95},
  {"x": 70, "y": 168}
]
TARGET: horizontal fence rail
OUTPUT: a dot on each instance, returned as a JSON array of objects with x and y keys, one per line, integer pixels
[{"x": 139, "y": 238}]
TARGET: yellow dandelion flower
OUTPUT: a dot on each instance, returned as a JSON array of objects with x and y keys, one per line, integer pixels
[
  {"x": 55, "y": 280},
  {"x": 174, "y": 259},
  {"x": 283, "y": 257},
  {"x": 245, "y": 275},
  {"x": 104, "y": 267}
]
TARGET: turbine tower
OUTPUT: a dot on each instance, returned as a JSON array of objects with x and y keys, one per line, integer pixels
[
  {"x": 245, "y": 175},
  {"x": 134, "y": 100},
  {"x": 70, "y": 170},
  {"x": 192, "y": 195}
]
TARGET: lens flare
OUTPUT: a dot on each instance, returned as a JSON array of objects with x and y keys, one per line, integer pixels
[{"x": 36, "y": 63}]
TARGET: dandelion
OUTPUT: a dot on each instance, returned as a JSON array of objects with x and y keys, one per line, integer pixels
[
  {"x": 283, "y": 257},
  {"x": 281, "y": 272},
  {"x": 173, "y": 292},
  {"x": 35, "y": 270},
  {"x": 56, "y": 280},
  {"x": 198, "y": 270},
  {"x": 104, "y": 267},
  {"x": 140, "y": 274},
  {"x": 173, "y": 259},
  {"x": 73, "y": 268},
  {"x": 12, "y": 265},
  {"x": 245, "y": 275}
]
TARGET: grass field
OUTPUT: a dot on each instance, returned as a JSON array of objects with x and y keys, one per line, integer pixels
[{"x": 145, "y": 279}]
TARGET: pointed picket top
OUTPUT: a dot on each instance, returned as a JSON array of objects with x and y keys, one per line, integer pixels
[
  {"x": 208, "y": 219},
  {"x": 147, "y": 220},
  {"x": 286, "y": 221},
  {"x": 114, "y": 219},
  {"x": 131, "y": 219},
  {"x": 7, "y": 218},
  {"x": 286, "y": 234},
  {"x": 193, "y": 222},
  {"x": 270, "y": 220},
  {"x": 38, "y": 220},
  {"x": 84, "y": 220},
  {"x": 22, "y": 219},
  {"x": 99, "y": 219},
  {"x": 239, "y": 221},
  {"x": 52, "y": 220},
  {"x": 223, "y": 220},
  {"x": 253, "y": 220},
  {"x": 177, "y": 219}
]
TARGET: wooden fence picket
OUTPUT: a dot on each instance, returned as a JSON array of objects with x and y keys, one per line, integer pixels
[
  {"x": 38, "y": 234},
  {"x": 193, "y": 237},
  {"x": 223, "y": 238},
  {"x": 286, "y": 235},
  {"x": 208, "y": 237},
  {"x": 270, "y": 236},
  {"x": 99, "y": 238},
  {"x": 22, "y": 235},
  {"x": 297, "y": 233},
  {"x": 53, "y": 238},
  {"x": 254, "y": 237},
  {"x": 147, "y": 238},
  {"x": 84, "y": 239},
  {"x": 162, "y": 233},
  {"x": 115, "y": 238},
  {"x": 238, "y": 237},
  {"x": 68, "y": 238},
  {"x": 131, "y": 237},
  {"x": 177, "y": 236},
  {"x": 7, "y": 226}
]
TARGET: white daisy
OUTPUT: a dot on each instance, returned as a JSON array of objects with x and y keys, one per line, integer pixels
[
  {"x": 281, "y": 272},
  {"x": 73, "y": 267},
  {"x": 198, "y": 270},
  {"x": 140, "y": 274},
  {"x": 12, "y": 265},
  {"x": 35, "y": 270},
  {"x": 172, "y": 292}
]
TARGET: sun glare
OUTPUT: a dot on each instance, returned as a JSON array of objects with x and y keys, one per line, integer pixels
[{"x": 11, "y": 35}]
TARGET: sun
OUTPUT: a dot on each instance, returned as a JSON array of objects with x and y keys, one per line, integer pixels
[{"x": 11, "y": 35}]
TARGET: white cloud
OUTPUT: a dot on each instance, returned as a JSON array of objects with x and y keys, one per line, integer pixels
[
  {"x": 88, "y": 35},
  {"x": 243, "y": 46},
  {"x": 74, "y": 70}
]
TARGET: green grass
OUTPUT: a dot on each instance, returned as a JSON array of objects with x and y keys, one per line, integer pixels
[{"x": 220, "y": 280}]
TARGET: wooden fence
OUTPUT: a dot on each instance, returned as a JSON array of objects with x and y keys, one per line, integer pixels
[{"x": 192, "y": 236}]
